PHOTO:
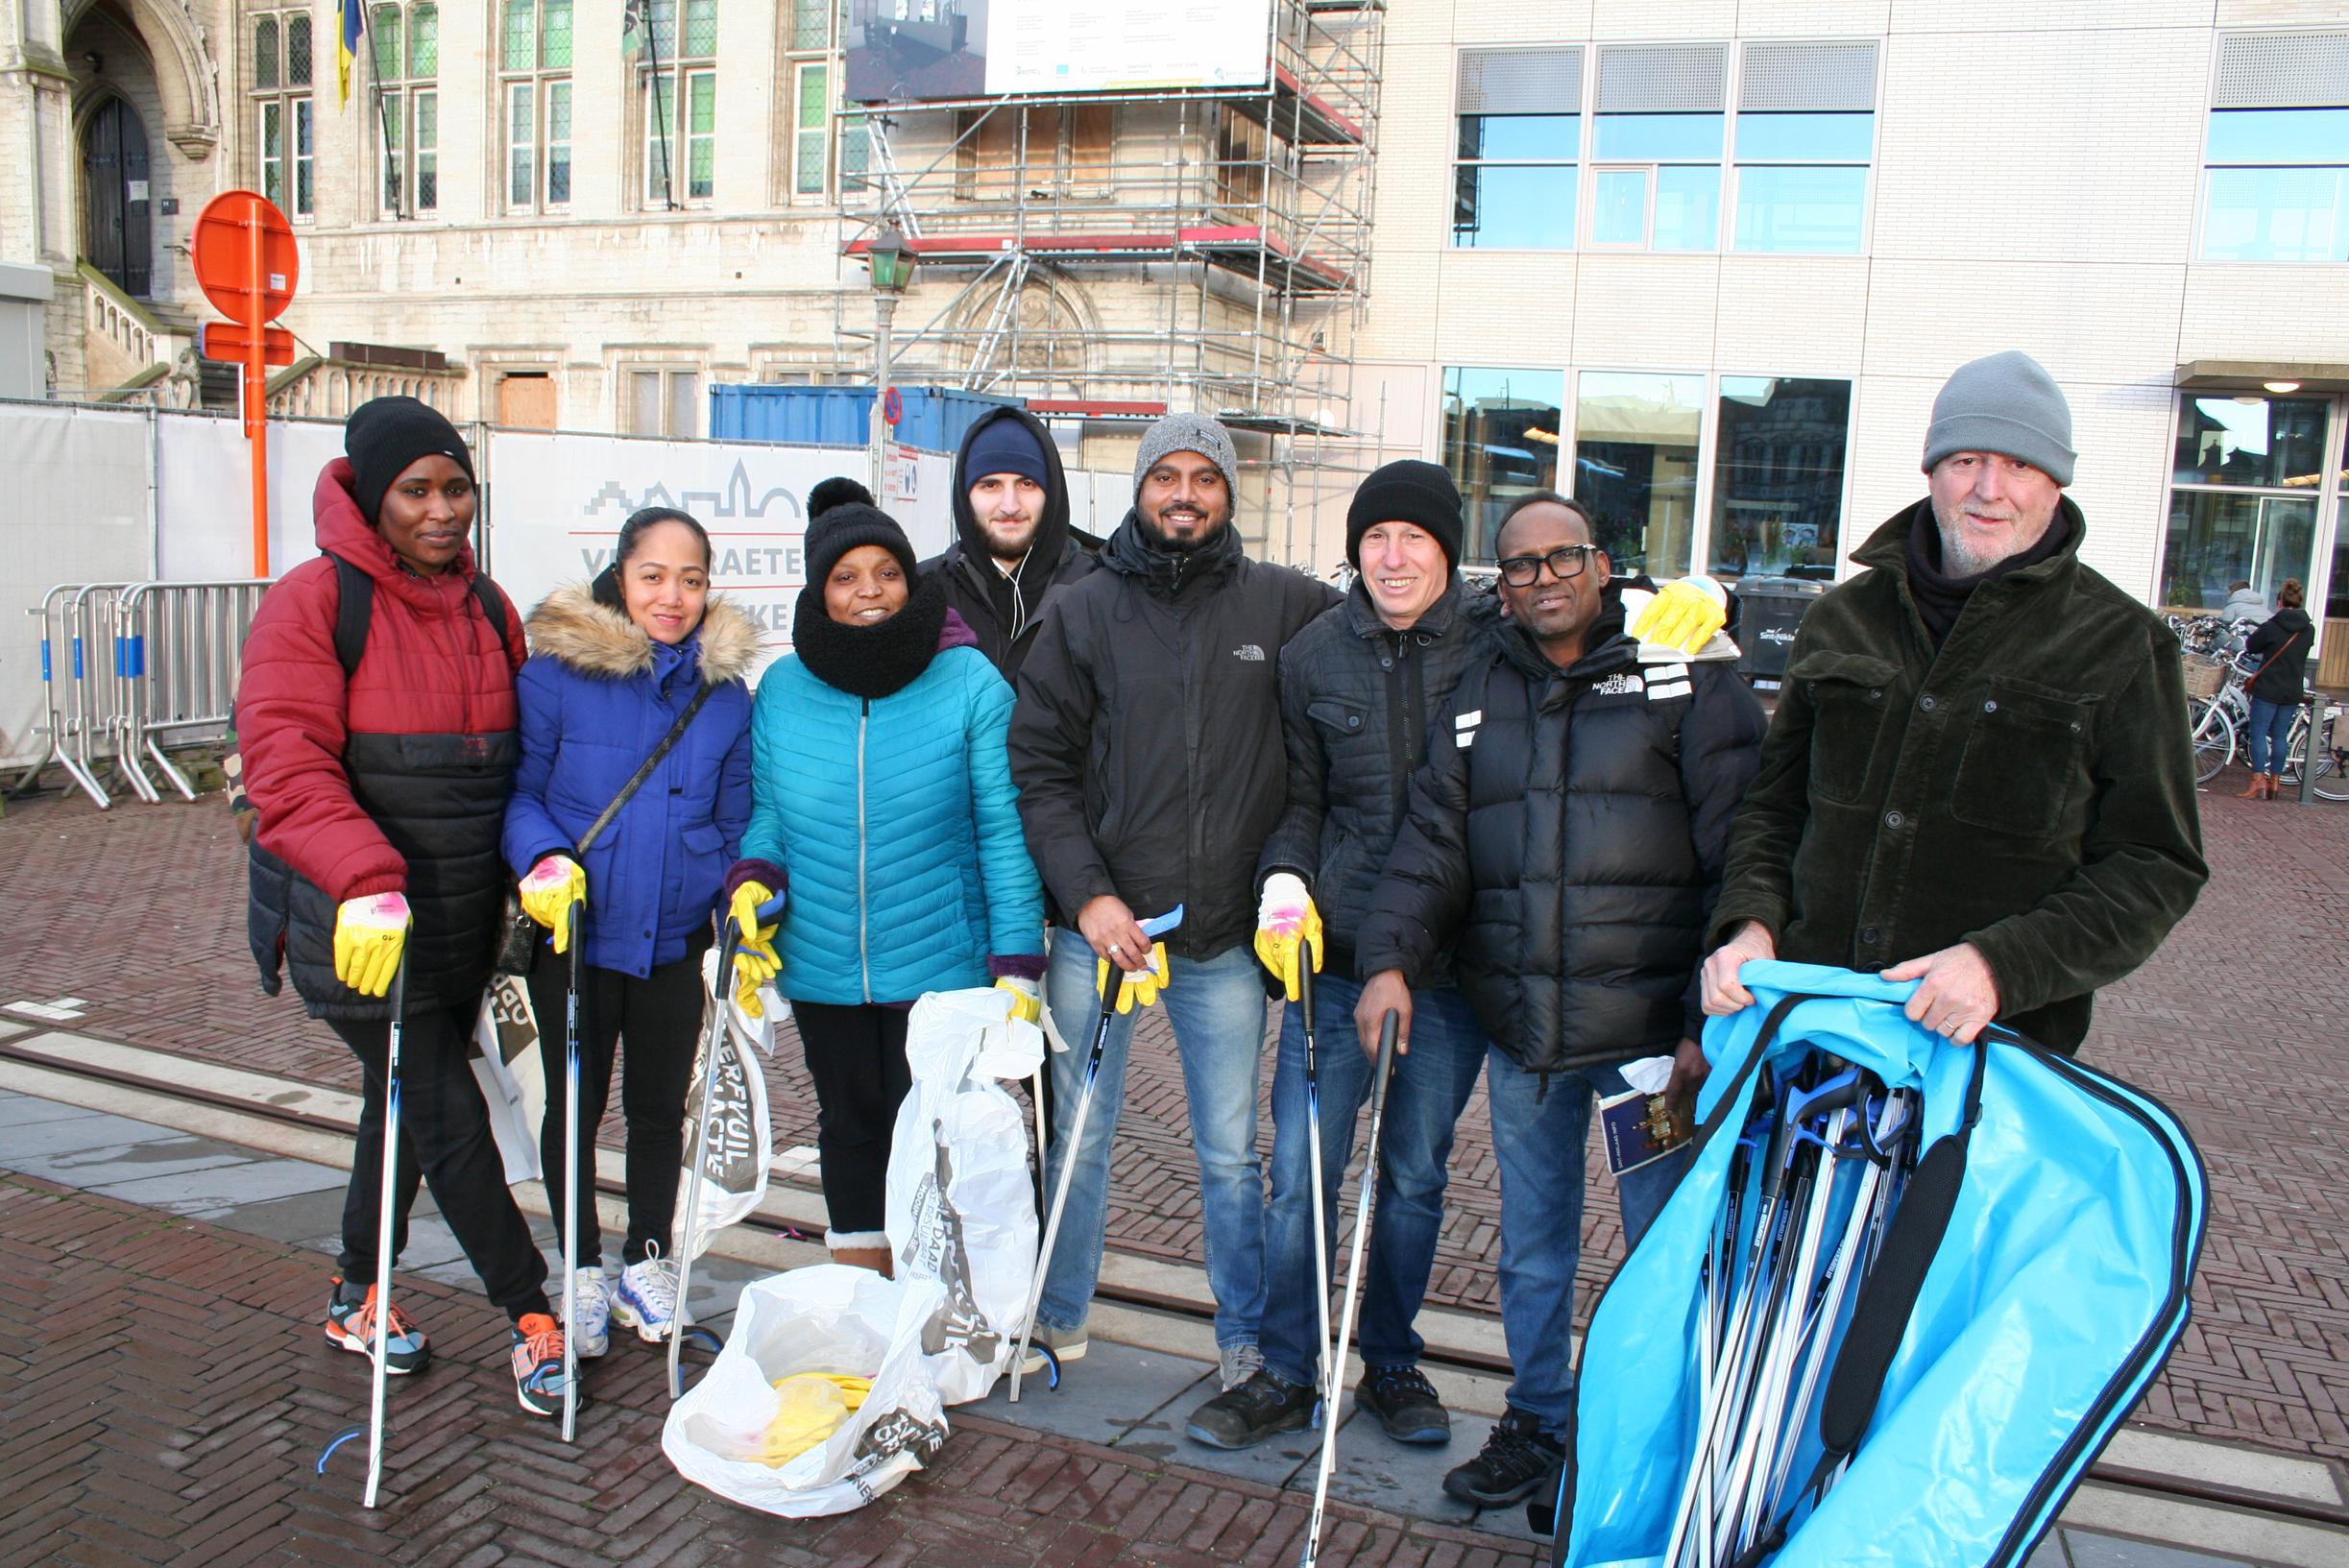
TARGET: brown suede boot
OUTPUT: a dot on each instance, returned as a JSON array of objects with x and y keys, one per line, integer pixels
[
  {"x": 2268, "y": 789},
  {"x": 875, "y": 1258},
  {"x": 2256, "y": 789}
]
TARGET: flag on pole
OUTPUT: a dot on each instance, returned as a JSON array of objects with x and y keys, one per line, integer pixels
[
  {"x": 346, "y": 49},
  {"x": 634, "y": 25}
]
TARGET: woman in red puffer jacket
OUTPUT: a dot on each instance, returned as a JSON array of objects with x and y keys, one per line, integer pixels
[{"x": 378, "y": 724}]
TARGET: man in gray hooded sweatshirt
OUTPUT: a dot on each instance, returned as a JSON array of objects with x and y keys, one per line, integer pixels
[{"x": 1146, "y": 745}]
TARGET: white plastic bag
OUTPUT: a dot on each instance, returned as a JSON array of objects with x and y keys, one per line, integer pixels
[
  {"x": 507, "y": 1065},
  {"x": 961, "y": 1211},
  {"x": 741, "y": 1140},
  {"x": 827, "y": 1318}
]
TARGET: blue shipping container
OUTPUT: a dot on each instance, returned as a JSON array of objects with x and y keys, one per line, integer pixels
[{"x": 840, "y": 416}]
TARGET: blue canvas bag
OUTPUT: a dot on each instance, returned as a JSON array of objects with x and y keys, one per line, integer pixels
[{"x": 2030, "y": 1283}]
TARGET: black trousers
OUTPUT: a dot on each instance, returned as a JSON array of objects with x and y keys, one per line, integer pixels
[
  {"x": 856, "y": 1056},
  {"x": 659, "y": 1017},
  {"x": 445, "y": 1137}
]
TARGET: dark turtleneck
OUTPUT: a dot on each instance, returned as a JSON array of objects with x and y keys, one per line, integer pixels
[
  {"x": 871, "y": 661},
  {"x": 1940, "y": 597}
]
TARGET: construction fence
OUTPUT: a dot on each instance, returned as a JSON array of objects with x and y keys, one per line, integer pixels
[{"x": 131, "y": 534}]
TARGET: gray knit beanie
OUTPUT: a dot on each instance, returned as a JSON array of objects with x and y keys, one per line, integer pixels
[
  {"x": 1189, "y": 433},
  {"x": 2009, "y": 404}
]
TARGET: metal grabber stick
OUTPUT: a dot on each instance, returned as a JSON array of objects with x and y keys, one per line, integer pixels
[
  {"x": 375, "y": 1427},
  {"x": 1112, "y": 979},
  {"x": 576, "y": 916},
  {"x": 713, "y": 1041},
  {"x": 1313, "y": 1146},
  {"x": 1387, "y": 1031}
]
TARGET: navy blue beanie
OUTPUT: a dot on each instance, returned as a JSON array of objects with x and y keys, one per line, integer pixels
[{"x": 1005, "y": 444}]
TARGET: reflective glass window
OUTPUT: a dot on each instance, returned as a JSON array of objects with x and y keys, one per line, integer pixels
[
  {"x": 2250, "y": 440},
  {"x": 1501, "y": 432},
  {"x": 1779, "y": 450},
  {"x": 1635, "y": 465}
]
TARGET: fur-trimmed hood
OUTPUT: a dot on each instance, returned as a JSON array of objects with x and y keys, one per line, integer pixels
[{"x": 570, "y": 627}]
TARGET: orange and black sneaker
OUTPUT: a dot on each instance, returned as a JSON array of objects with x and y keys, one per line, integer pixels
[
  {"x": 350, "y": 1325},
  {"x": 538, "y": 1363}
]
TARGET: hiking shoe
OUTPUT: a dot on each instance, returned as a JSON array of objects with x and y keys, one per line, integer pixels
[
  {"x": 1405, "y": 1403},
  {"x": 592, "y": 1333},
  {"x": 1239, "y": 1364},
  {"x": 538, "y": 1363},
  {"x": 1518, "y": 1460},
  {"x": 1258, "y": 1409},
  {"x": 350, "y": 1325},
  {"x": 1066, "y": 1345},
  {"x": 646, "y": 1300}
]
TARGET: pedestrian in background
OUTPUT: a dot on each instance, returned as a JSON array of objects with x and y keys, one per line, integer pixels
[
  {"x": 617, "y": 667},
  {"x": 883, "y": 812},
  {"x": 378, "y": 723},
  {"x": 2280, "y": 647}
]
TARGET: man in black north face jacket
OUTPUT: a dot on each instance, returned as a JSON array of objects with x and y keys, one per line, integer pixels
[
  {"x": 1568, "y": 832},
  {"x": 1146, "y": 747}
]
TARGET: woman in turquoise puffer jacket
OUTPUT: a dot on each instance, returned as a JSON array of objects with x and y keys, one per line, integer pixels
[{"x": 882, "y": 809}]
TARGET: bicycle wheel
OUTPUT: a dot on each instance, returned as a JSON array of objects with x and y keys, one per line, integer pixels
[
  {"x": 2213, "y": 736},
  {"x": 2332, "y": 765}
]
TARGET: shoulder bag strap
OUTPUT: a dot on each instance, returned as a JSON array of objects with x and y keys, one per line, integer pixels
[{"x": 645, "y": 769}]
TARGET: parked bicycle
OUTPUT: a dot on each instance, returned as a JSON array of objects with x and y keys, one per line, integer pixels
[{"x": 2216, "y": 722}]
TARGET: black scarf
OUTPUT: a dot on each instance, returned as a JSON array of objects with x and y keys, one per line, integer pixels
[
  {"x": 871, "y": 661},
  {"x": 1940, "y": 597}
]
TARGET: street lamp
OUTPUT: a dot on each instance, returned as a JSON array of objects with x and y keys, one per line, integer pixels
[{"x": 890, "y": 260}]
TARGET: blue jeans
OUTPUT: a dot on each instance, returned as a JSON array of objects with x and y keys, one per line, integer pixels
[
  {"x": 1430, "y": 1085},
  {"x": 2271, "y": 734},
  {"x": 1217, "y": 1008},
  {"x": 1538, "y": 1139}
]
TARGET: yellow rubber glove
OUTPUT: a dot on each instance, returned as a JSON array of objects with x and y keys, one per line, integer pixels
[
  {"x": 755, "y": 960},
  {"x": 1140, "y": 986},
  {"x": 1285, "y": 917},
  {"x": 548, "y": 893},
  {"x": 1027, "y": 997},
  {"x": 1684, "y": 615},
  {"x": 368, "y": 935}
]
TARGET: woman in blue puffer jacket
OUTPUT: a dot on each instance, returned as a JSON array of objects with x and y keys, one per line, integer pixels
[
  {"x": 884, "y": 810},
  {"x": 612, "y": 667}
]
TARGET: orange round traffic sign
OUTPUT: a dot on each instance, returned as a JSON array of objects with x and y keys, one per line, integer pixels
[{"x": 228, "y": 263}]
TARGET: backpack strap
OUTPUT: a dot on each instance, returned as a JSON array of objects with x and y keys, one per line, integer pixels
[{"x": 355, "y": 610}]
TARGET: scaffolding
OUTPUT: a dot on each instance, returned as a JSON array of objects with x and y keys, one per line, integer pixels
[{"x": 1111, "y": 256}]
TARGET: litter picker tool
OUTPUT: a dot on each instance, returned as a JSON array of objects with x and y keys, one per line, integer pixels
[
  {"x": 1313, "y": 1154},
  {"x": 570, "y": 1170},
  {"x": 1156, "y": 927},
  {"x": 1387, "y": 1031},
  {"x": 713, "y": 1041},
  {"x": 375, "y": 1425}
]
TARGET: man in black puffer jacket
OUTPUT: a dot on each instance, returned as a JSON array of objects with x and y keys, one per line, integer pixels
[
  {"x": 1148, "y": 751},
  {"x": 1569, "y": 839}
]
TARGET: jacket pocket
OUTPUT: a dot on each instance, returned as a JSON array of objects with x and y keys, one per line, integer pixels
[
  {"x": 1848, "y": 694},
  {"x": 1338, "y": 718},
  {"x": 2020, "y": 770}
]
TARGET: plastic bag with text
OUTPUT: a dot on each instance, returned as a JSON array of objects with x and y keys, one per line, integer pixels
[{"x": 827, "y": 1318}]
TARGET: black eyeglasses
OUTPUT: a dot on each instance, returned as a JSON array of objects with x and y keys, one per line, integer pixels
[{"x": 1564, "y": 561}]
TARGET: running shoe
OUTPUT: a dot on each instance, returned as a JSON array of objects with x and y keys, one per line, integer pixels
[
  {"x": 350, "y": 1325},
  {"x": 646, "y": 1300},
  {"x": 538, "y": 1363}
]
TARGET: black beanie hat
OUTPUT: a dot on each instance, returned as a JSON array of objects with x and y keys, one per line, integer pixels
[
  {"x": 384, "y": 437},
  {"x": 837, "y": 491},
  {"x": 845, "y": 527},
  {"x": 1410, "y": 491}
]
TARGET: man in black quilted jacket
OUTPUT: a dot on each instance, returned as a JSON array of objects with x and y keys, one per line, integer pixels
[{"x": 1566, "y": 842}]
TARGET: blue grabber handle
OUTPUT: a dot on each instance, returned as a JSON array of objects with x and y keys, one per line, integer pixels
[{"x": 1158, "y": 926}]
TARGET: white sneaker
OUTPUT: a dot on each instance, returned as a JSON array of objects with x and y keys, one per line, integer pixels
[
  {"x": 591, "y": 1336},
  {"x": 646, "y": 1300}
]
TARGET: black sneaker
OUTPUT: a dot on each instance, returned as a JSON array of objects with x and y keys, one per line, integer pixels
[
  {"x": 1245, "y": 1416},
  {"x": 1405, "y": 1403},
  {"x": 1518, "y": 1460}
]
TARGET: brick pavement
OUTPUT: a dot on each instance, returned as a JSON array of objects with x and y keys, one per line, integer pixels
[
  {"x": 2242, "y": 1023},
  {"x": 167, "y": 1389}
]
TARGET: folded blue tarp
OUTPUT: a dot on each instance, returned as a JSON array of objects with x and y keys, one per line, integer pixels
[{"x": 2075, "y": 1207}]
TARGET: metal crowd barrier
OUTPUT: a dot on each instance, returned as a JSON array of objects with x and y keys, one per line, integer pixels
[{"x": 124, "y": 664}]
